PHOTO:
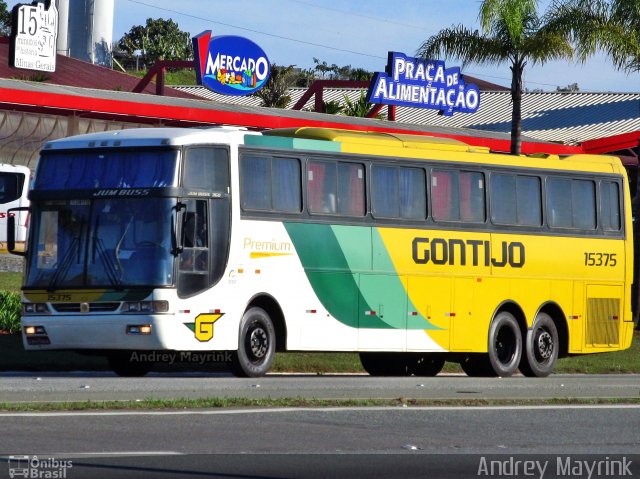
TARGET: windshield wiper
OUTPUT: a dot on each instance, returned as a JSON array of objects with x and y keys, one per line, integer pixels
[
  {"x": 65, "y": 264},
  {"x": 109, "y": 267}
]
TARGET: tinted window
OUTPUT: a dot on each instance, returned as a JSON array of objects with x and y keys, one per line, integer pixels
[
  {"x": 516, "y": 200},
  {"x": 457, "y": 196},
  {"x": 571, "y": 203},
  {"x": 10, "y": 186},
  {"x": 336, "y": 188},
  {"x": 113, "y": 168},
  {"x": 194, "y": 260},
  {"x": 286, "y": 185},
  {"x": 207, "y": 168},
  {"x": 610, "y": 206},
  {"x": 399, "y": 192},
  {"x": 271, "y": 184}
]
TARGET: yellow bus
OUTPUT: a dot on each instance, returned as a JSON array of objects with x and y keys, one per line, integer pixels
[{"x": 409, "y": 250}]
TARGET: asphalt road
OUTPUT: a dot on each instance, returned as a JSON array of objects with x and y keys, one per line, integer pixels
[
  {"x": 22, "y": 387},
  {"x": 350, "y": 442}
]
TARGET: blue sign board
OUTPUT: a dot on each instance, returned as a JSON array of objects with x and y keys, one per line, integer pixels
[
  {"x": 414, "y": 82},
  {"x": 229, "y": 65}
]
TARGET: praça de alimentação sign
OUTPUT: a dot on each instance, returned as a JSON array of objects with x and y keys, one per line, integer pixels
[{"x": 414, "y": 82}]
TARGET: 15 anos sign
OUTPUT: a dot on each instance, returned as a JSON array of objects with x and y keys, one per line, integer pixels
[{"x": 34, "y": 32}]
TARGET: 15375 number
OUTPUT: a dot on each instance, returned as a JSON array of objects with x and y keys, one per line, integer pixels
[{"x": 600, "y": 259}]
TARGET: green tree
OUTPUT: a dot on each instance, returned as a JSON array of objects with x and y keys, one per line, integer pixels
[
  {"x": 358, "y": 108},
  {"x": 5, "y": 19},
  {"x": 274, "y": 93},
  {"x": 513, "y": 33},
  {"x": 610, "y": 25},
  {"x": 323, "y": 71},
  {"x": 157, "y": 40}
]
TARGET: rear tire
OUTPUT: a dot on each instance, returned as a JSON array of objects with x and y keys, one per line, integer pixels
[
  {"x": 541, "y": 348},
  {"x": 256, "y": 345},
  {"x": 505, "y": 344}
]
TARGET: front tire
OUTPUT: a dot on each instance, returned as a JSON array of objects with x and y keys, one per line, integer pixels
[
  {"x": 541, "y": 349},
  {"x": 256, "y": 345}
]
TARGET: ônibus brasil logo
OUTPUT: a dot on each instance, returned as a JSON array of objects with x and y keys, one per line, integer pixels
[{"x": 229, "y": 65}]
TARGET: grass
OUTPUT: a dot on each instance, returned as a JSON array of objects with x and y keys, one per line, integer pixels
[
  {"x": 10, "y": 281},
  {"x": 172, "y": 77},
  {"x": 10, "y": 306},
  {"x": 219, "y": 402}
]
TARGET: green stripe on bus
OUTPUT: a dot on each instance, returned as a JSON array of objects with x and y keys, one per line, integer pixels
[
  {"x": 291, "y": 143},
  {"x": 338, "y": 263}
]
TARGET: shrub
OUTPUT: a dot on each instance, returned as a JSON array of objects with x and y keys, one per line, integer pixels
[{"x": 10, "y": 308}]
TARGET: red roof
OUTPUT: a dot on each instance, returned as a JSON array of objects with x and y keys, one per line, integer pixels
[{"x": 73, "y": 72}]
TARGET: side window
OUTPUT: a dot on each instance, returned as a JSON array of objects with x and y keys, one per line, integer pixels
[
  {"x": 207, "y": 168},
  {"x": 610, "y": 206},
  {"x": 286, "y": 194},
  {"x": 10, "y": 186},
  {"x": 270, "y": 184},
  {"x": 193, "y": 269},
  {"x": 571, "y": 203},
  {"x": 398, "y": 192},
  {"x": 516, "y": 200},
  {"x": 255, "y": 189},
  {"x": 336, "y": 188},
  {"x": 458, "y": 196}
]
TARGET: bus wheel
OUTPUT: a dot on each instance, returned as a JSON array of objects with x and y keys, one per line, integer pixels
[
  {"x": 120, "y": 363},
  {"x": 505, "y": 344},
  {"x": 256, "y": 346},
  {"x": 427, "y": 365},
  {"x": 541, "y": 349},
  {"x": 384, "y": 364}
]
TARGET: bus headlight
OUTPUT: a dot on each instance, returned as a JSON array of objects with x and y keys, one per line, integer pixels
[
  {"x": 35, "y": 308},
  {"x": 36, "y": 335},
  {"x": 145, "y": 307},
  {"x": 139, "y": 329}
]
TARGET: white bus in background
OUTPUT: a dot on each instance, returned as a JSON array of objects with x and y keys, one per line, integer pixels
[{"x": 14, "y": 184}]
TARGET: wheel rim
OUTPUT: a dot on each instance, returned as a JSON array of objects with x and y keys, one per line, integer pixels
[
  {"x": 505, "y": 345},
  {"x": 258, "y": 342},
  {"x": 543, "y": 346}
]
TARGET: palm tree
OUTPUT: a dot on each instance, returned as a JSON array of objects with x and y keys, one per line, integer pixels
[
  {"x": 275, "y": 94},
  {"x": 512, "y": 32},
  {"x": 611, "y": 25}
]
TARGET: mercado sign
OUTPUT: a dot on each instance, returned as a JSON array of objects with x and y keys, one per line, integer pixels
[
  {"x": 419, "y": 83},
  {"x": 229, "y": 65},
  {"x": 34, "y": 32}
]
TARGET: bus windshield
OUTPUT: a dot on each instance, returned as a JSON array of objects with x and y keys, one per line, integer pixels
[
  {"x": 88, "y": 169},
  {"x": 108, "y": 243}
]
